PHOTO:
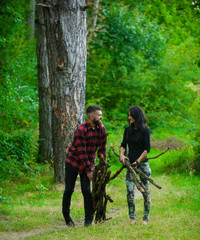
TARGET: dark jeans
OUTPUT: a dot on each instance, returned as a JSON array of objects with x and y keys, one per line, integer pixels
[{"x": 70, "y": 179}]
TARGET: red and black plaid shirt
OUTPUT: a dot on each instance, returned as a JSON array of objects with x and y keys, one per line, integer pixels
[{"x": 81, "y": 154}]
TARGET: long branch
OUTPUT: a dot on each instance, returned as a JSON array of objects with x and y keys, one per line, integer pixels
[
  {"x": 117, "y": 173},
  {"x": 145, "y": 158},
  {"x": 136, "y": 169},
  {"x": 148, "y": 178},
  {"x": 137, "y": 182}
]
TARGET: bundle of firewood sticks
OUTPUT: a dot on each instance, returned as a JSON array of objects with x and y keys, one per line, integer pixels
[{"x": 101, "y": 177}]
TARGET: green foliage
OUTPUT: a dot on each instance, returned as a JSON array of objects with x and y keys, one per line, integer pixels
[
  {"x": 168, "y": 92},
  {"x": 196, "y": 161},
  {"x": 126, "y": 44},
  {"x": 18, "y": 154},
  {"x": 18, "y": 90},
  {"x": 18, "y": 107},
  {"x": 18, "y": 57},
  {"x": 145, "y": 53},
  {"x": 178, "y": 18},
  {"x": 18, "y": 94},
  {"x": 140, "y": 57},
  {"x": 177, "y": 161}
]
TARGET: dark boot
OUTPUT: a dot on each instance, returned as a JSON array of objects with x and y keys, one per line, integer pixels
[
  {"x": 69, "y": 221},
  {"x": 88, "y": 223}
]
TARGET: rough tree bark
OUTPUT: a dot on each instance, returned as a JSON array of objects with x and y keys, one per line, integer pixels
[
  {"x": 44, "y": 91},
  {"x": 65, "y": 23}
]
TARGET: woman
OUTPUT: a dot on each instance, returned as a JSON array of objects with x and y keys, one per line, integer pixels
[{"x": 137, "y": 138}]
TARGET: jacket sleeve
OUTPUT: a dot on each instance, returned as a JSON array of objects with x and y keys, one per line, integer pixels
[
  {"x": 147, "y": 143},
  {"x": 124, "y": 141}
]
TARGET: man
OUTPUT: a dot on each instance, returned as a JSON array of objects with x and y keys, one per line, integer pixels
[{"x": 89, "y": 136}]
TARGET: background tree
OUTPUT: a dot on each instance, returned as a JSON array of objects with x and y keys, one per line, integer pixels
[
  {"x": 65, "y": 27},
  {"x": 45, "y": 117},
  {"x": 44, "y": 91}
]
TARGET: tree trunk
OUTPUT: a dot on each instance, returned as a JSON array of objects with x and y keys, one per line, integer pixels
[
  {"x": 65, "y": 23},
  {"x": 31, "y": 19},
  {"x": 44, "y": 90}
]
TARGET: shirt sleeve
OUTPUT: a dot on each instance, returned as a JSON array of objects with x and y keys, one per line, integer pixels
[
  {"x": 124, "y": 141},
  {"x": 80, "y": 140},
  {"x": 102, "y": 146},
  {"x": 147, "y": 143}
]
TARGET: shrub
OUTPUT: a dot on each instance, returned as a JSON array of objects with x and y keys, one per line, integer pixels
[
  {"x": 17, "y": 154},
  {"x": 176, "y": 161}
]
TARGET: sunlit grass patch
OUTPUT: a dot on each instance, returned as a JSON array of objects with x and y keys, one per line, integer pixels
[{"x": 175, "y": 212}]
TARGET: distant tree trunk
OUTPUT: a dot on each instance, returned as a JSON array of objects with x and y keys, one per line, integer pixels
[
  {"x": 31, "y": 19},
  {"x": 93, "y": 21},
  {"x": 65, "y": 23},
  {"x": 44, "y": 90}
]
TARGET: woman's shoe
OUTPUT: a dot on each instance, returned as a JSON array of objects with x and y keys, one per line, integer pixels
[
  {"x": 144, "y": 222},
  {"x": 133, "y": 222}
]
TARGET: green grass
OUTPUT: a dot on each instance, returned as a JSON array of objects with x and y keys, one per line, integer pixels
[
  {"x": 31, "y": 209},
  {"x": 30, "y": 206}
]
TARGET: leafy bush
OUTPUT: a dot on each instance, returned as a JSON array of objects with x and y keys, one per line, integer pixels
[
  {"x": 18, "y": 90},
  {"x": 176, "y": 161},
  {"x": 18, "y": 153}
]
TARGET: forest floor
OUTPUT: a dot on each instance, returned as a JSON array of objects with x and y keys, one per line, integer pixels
[{"x": 175, "y": 213}]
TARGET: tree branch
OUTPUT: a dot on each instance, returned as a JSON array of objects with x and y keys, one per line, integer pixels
[
  {"x": 159, "y": 154},
  {"x": 117, "y": 173},
  {"x": 136, "y": 169},
  {"x": 43, "y": 5},
  {"x": 148, "y": 178}
]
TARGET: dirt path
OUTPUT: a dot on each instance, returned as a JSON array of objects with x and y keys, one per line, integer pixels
[
  {"x": 36, "y": 232},
  {"x": 28, "y": 234}
]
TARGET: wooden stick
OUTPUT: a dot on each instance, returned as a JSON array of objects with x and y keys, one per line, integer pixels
[
  {"x": 137, "y": 182},
  {"x": 117, "y": 173},
  {"x": 135, "y": 178},
  {"x": 101, "y": 177},
  {"x": 145, "y": 158},
  {"x": 137, "y": 170},
  {"x": 148, "y": 178},
  {"x": 140, "y": 186}
]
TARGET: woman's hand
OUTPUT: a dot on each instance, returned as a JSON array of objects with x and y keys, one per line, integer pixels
[
  {"x": 135, "y": 163},
  {"x": 122, "y": 158}
]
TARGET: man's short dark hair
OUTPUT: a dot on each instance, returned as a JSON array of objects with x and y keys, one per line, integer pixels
[{"x": 92, "y": 108}]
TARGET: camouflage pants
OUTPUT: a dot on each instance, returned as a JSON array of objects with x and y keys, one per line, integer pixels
[{"x": 145, "y": 168}]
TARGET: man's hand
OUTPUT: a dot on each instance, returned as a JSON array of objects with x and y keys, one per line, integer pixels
[{"x": 90, "y": 175}]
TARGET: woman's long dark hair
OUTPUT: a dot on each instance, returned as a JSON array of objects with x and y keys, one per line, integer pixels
[{"x": 140, "y": 119}]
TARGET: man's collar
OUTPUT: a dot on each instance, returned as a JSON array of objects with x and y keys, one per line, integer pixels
[{"x": 89, "y": 125}]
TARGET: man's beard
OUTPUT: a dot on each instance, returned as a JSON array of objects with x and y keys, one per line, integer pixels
[{"x": 97, "y": 122}]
